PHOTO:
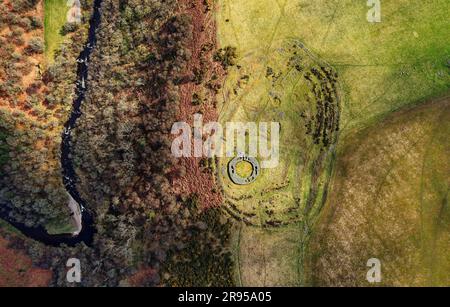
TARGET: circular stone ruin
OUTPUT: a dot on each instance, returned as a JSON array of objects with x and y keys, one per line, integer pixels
[
  {"x": 238, "y": 179},
  {"x": 291, "y": 86}
]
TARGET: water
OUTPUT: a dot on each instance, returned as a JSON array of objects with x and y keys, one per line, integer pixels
[{"x": 68, "y": 171}]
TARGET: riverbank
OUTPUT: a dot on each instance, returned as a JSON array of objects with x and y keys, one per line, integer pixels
[
  {"x": 80, "y": 217},
  {"x": 76, "y": 217}
]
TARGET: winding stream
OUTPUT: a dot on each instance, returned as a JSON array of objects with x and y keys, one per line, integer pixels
[{"x": 68, "y": 172}]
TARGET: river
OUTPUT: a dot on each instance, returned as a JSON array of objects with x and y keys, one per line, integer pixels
[{"x": 68, "y": 172}]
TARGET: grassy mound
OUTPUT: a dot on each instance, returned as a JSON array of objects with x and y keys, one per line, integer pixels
[
  {"x": 381, "y": 67},
  {"x": 389, "y": 201},
  {"x": 291, "y": 87}
]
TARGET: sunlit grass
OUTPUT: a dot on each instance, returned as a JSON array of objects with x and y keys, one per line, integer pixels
[
  {"x": 55, "y": 18},
  {"x": 382, "y": 67}
]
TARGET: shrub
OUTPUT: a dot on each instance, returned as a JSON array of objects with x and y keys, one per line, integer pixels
[
  {"x": 36, "y": 23},
  {"x": 69, "y": 27},
  {"x": 226, "y": 56},
  {"x": 36, "y": 45}
]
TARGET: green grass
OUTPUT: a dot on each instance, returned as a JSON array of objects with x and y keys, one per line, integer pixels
[
  {"x": 389, "y": 201},
  {"x": 382, "y": 67},
  {"x": 244, "y": 169},
  {"x": 267, "y": 257},
  {"x": 60, "y": 227},
  {"x": 283, "y": 194},
  {"x": 277, "y": 84},
  {"x": 55, "y": 18}
]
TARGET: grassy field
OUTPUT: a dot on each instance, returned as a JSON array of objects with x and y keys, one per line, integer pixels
[
  {"x": 55, "y": 18},
  {"x": 265, "y": 88},
  {"x": 267, "y": 257},
  {"x": 382, "y": 67},
  {"x": 289, "y": 86},
  {"x": 389, "y": 201},
  {"x": 400, "y": 61}
]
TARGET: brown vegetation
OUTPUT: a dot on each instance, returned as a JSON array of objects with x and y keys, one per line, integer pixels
[
  {"x": 389, "y": 201},
  {"x": 16, "y": 269},
  {"x": 34, "y": 102},
  {"x": 138, "y": 78},
  {"x": 198, "y": 95}
]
